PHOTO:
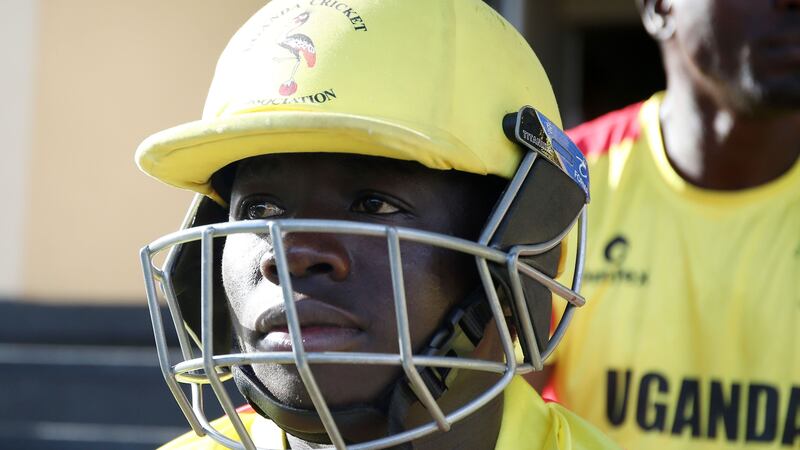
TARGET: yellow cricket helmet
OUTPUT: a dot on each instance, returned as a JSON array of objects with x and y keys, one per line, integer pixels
[{"x": 406, "y": 79}]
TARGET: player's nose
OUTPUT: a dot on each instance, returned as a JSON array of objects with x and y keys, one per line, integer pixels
[{"x": 308, "y": 255}]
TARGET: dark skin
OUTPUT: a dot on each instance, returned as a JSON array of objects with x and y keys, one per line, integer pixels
[
  {"x": 730, "y": 118},
  {"x": 731, "y": 115},
  {"x": 342, "y": 283}
]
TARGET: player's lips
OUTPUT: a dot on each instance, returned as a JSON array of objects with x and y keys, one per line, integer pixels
[{"x": 323, "y": 327}]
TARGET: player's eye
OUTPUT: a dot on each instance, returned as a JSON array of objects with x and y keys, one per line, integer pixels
[
  {"x": 259, "y": 209},
  {"x": 372, "y": 204}
]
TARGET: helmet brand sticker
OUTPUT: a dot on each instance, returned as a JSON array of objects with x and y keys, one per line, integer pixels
[
  {"x": 570, "y": 156},
  {"x": 532, "y": 132},
  {"x": 540, "y": 134}
]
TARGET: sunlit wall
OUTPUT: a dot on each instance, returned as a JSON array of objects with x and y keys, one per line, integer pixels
[{"x": 84, "y": 81}]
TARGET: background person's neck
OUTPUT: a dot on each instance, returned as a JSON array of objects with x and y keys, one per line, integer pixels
[{"x": 713, "y": 146}]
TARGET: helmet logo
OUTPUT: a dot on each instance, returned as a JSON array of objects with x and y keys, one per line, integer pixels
[{"x": 300, "y": 48}]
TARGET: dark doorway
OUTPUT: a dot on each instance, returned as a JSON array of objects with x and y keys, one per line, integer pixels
[{"x": 621, "y": 65}]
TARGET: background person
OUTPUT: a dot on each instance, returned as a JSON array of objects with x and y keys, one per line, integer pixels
[{"x": 690, "y": 338}]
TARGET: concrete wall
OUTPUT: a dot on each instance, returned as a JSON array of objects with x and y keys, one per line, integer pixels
[
  {"x": 105, "y": 73},
  {"x": 18, "y": 33}
]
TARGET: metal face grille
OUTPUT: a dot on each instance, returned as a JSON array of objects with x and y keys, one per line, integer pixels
[{"x": 200, "y": 366}]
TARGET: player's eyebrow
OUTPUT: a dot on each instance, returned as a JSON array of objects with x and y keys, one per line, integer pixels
[{"x": 257, "y": 167}]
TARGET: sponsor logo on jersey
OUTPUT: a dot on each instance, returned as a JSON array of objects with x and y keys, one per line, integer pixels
[
  {"x": 616, "y": 271},
  {"x": 704, "y": 408}
]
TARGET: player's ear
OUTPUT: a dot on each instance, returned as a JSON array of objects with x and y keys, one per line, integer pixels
[{"x": 657, "y": 18}]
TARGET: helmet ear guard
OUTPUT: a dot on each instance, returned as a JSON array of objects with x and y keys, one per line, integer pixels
[
  {"x": 184, "y": 269},
  {"x": 545, "y": 193},
  {"x": 542, "y": 203}
]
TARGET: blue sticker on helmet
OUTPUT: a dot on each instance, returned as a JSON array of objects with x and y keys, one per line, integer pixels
[
  {"x": 537, "y": 132},
  {"x": 573, "y": 163}
]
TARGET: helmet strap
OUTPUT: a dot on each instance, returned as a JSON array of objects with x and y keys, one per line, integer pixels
[{"x": 458, "y": 336}]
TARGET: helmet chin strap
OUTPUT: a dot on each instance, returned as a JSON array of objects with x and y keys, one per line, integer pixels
[{"x": 458, "y": 336}]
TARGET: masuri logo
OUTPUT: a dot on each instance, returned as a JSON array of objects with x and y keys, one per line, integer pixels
[{"x": 615, "y": 254}]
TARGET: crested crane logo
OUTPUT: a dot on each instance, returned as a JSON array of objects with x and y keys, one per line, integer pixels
[
  {"x": 299, "y": 48},
  {"x": 286, "y": 39}
]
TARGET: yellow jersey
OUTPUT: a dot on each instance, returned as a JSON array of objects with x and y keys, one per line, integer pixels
[
  {"x": 691, "y": 334},
  {"x": 529, "y": 423}
]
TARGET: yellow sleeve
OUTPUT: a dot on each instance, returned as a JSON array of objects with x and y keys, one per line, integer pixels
[
  {"x": 530, "y": 423},
  {"x": 191, "y": 441},
  {"x": 571, "y": 432}
]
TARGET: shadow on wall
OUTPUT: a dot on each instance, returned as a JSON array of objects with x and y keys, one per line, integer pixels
[{"x": 84, "y": 377}]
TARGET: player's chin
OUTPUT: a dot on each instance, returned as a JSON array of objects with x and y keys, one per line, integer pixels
[{"x": 341, "y": 385}]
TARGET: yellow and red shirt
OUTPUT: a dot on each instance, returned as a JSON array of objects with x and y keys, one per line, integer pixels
[
  {"x": 691, "y": 334},
  {"x": 529, "y": 423}
]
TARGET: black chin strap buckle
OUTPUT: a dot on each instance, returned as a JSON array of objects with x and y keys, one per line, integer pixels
[{"x": 458, "y": 336}]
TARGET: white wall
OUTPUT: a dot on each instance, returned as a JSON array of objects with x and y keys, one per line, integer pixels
[
  {"x": 514, "y": 12},
  {"x": 18, "y": 31},
  {"x": 110, "y": 72}
]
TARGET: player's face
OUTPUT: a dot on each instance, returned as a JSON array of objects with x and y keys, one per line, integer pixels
[
  {"x": 751, "y": 48},
  {"x": 342, "y": 284}
]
